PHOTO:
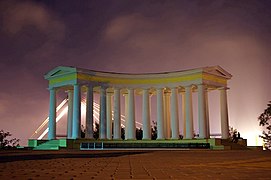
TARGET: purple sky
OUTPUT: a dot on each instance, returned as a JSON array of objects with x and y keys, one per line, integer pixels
[{"x": 133, "y": 36}]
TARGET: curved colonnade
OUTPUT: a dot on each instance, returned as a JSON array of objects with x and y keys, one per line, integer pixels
[{"x": 165, "y": 86}]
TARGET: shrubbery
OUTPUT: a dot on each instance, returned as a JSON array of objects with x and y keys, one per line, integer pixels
[
  {"x": 6, "y": 143},
  {"x": 265, "y": 121}
]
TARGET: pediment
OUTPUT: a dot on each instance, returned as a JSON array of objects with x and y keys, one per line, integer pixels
[
  {"x": 58, "y": 71},
  {"x": 218, "y": 71}
]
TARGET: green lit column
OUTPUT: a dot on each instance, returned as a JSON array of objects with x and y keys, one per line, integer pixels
[
  {"x": 70, "y": 112},
  {"x": 52, "y": 115},
  {"x": 76, "y": 125}
]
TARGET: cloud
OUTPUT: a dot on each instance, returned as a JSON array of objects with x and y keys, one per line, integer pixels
[{"x": 18, "y": 15}]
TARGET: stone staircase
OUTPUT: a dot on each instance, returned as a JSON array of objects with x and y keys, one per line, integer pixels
[{"x": 51, "y": 145}]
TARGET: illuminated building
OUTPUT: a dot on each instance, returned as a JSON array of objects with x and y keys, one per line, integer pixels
[{"x": 164, "y": 86}]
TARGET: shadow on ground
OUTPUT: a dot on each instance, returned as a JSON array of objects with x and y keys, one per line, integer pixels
[{"x": 46, "y": 156}]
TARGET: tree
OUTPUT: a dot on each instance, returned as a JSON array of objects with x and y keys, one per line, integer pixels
[
  {"x": 96, "y": 131},
  {"x": 7, "y": 143},
  {"x": 154, "y": 130},
  {"x": 139, "y": 134},
  {"x": 265, "y": 121}
]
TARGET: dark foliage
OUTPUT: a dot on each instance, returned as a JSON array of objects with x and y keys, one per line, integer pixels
[
  {"x": 96, "y": 131},
  {"x": 265, "y": 121},
  {"x": 139, "y": 132},
  {"x": 6, "y": 143},
  {"x": 234, "y": 135},
  {"x": 154, "y": 130}
]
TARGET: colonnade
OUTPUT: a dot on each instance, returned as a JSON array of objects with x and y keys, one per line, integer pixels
[{"x": 167, "y": 112}]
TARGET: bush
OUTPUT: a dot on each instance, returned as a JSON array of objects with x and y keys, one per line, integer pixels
[
  {"x": 6, "y": 143},
  {"x": 265, "y": 121}
]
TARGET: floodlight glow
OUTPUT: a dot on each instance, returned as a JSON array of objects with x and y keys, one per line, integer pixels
[
  {"x": 65, "y": 110},
  {"x": 96, "y": 114},
  {"x": 47, "y": 119}
]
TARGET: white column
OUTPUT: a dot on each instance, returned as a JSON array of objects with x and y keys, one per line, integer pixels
[
  {"x": 207, "y": 114},
  {"x": 76, "y": 120},
  {"x": 103, "y": 126},
  {"x": 52, "y": 115},
  {"x": 167, "y": 129},
  {"x": 146, "y": 115},
  {"x": 202, "y": 111},
  {"x": 131, "y": 115},
  {"x": 89, "y": 112},
  {"x": 188, "y": 113},
  {"x": 70, "y": 112},
  {"x": 183, "y": 114},
  {"x": 174, "y": 114},
  {"x": 109, "y": 115},
  {"x": 160, "y": 114},
  {"x": 117, "y": 114},
  {"x": 224, "y": 114}
]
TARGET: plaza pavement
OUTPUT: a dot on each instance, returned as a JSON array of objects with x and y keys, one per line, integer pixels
[{"x": 136, "y": 164}]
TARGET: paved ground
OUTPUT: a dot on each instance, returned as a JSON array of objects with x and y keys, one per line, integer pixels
[{"x": 194, "y": 164}]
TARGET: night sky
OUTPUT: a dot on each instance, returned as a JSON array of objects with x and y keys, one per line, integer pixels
[{"x": 133, "y": 36}]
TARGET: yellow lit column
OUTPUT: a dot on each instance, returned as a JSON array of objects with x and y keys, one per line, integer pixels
[
  {"x": 52, "y": 115},
  {"x": 126, "y": 114},
  {"x": 202, "y": 111},
  {"x": 70, "y": 109},
  {"x": 103, "y": 113},
  {"x": 117, "y": 115},
  {"x": 183, "y": 114},
  {"x": 146, "y": 115},
  {"x": 160, "y": 114},
  {"x": 174, "y": 114},
  {"x": 188, "y": 113},
  {"x": 224, "y": 114},
  {"x": 167, "y": 129},
  {"x": 89, "y": 112},
  {"x": 109, "y": 115}
]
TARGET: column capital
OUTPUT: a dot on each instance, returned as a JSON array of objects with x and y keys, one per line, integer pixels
[
  {"x": 117, "y": 88},
  {"x": 223, "y": 88},
  {"x": 109, "y": 93},
  {"x": 130, "y": 88},
  {"x": 69, "y": 90},
  {"x": 146, "y": 88},
  {"x": 174, "y": 87},
  {"x": 51, "y": 88},
  {"x": 204, "y": 85}
]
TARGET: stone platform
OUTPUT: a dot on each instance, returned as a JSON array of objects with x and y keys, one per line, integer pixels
[
  {"x": 90, "y": 144},
  {"x": 136, "y": 164}
]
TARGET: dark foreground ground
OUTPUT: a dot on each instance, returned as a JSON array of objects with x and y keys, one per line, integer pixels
[{"x": 136, "y": 164}]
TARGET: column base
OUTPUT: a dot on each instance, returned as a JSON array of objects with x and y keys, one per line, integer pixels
[
  {"x": 175, "y": 139},
  {"x": 162, "y": 139}
]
